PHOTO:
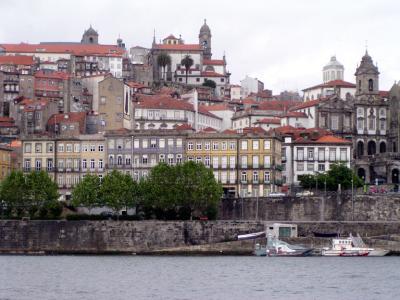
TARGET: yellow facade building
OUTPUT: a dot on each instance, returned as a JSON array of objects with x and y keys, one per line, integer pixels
[{"x": 5, "y": 161}]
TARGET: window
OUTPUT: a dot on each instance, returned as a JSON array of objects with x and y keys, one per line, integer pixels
[
  {"x": 266, "y": 177},
  {"x": 223, "y": 177},
  {"x": 49, "y": 147},
  {"x": 243, "y": 177},
  {"x": 179, "y": 158},
  {"x": 244, "y": 145},
  {"x": 170, "y": 142},
  {"x": 50, "y": 164},
  {"x": 215, "y": 162},
  {"x": 60, "y": 147},
  {"x": 77, "y": 148},
  {"x": 321, "y": 154},
  {"x": 300, "y": 154},
  {"x": 27, "y": 165},
  {"x": 198, "y": 159},
  {"x": 300, "y": 166},
  {"x": 310, "y": 167},
  {"x": 255, "y": 161},
  {"x": 68, "y": 163},
  {"x": 232, "y": 177},
  {"x": 171, "y": 159},
  {"x": 371, "y": 121},
  {"x": 216, "y": 175},
  {"x": 161, "y": 158},
  {"x": 145, "y": 143},
  {"x": 224, "y": 162},
  {"x": 232, "y": 162},
  {"x": 110, "y": 160},
  {"x": 267, "y": 145},
  {"x": 85, "y": 148},
  {"x": 153, "y": 160},
  {"x": 153, "y": 143},
  {"x": 207, "y": 145},
  {"x": 92, "y": 164},
  {"x": 136, "y": 144},
  {"x": 128, "y": 160},
  {"x": 215, "y": 145},
  {"x": 190, "y": 146},
  {"x": 335, "y": 122},
  {"x": 321, "y": 167},
  {"x": 244, "y": 161},
  {"x": 101, "y": 163},
  {"x": 38, "y": 148},
  {"x": 101, "y": 148},
  {"x": 255, "y": 177},
  {"x": 28, "y": 148},
  {"x": 343, "y": 154},
  {"x": 370, "y": 85},
  {"x": 224, "y": 146},
  {"x": 207, "y": 161},
  {"x": 232, "y": 146},
  {"x": 332, "y": 154},
  {"x": 310, "y": 154},
  {"x": 382, "y": 125},
  {"x": 144, "y": 159},
  {"x": 198, "y": 146},
  {"x": 256, "y": 145},
  {"x": 68, "y": 147},
  {"x": 84, "y": 164},
  {"x": 178, "y": 142},
  {"x": 360, "y": 124},
  {"x": 267, "y": 161}
]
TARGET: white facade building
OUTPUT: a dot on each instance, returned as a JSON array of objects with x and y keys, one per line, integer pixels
[{"x": 250, "y": 85}]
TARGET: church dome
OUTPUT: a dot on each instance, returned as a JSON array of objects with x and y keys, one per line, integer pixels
[
  {"x": 91, "y": 31},
  {"x": 333, "y": 64},
  {"x": 205, "y": 28}
]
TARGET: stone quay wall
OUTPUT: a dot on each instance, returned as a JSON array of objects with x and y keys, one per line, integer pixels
[{"x": 331, "y": 208}]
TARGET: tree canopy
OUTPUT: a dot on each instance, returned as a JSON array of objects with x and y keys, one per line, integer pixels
[
  {"x": 86, "y": 192},
  {"x": 163, "y": 60},
  {"x": 210, "y": 83},
  {"x": 187, "y": 62}
]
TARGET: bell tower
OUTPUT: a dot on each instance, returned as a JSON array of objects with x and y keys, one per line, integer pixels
[
  {"x": 367, "y": 77},
  {"x": 205, "y": 40}
]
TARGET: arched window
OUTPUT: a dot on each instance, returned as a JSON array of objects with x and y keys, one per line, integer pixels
[
  {"x": 382, "y": 147},
  {"x": 370, "y": 85},
  {"x": 359, "y": 85},
  {"x": 360, "y": 148},
  {"x": 394, "y": 147},
  {"x": 91, "y": 40},
  {"x": 111, "y": 160},
  {"x": 371, "y": 147},
  {"x": 119, "y": 160}
]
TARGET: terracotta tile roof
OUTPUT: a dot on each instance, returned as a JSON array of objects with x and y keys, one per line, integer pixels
[
  {"x": 253, "y": 130},
  {"x": 7, "y": 124},
  {"x": 306, "y": 104},
  {"x": 325, "y": 139},
  {"x": 229, "y": 131},
  {"x": 269, "y": 121},
  {"x": 167, "y": 102},
  {"x": 184, "y": 126},
  {"x": 73, "y": 48},
  {"x": 17, "y": 60},
  {"x": 333, "y": 83},
  {"x": 211, "y": 74},
  {"x": 137, "y": 85},
  {"x": 72, "y": 117},
  {"x": 179, "y": 47},
  {"x": 213, "y": 62},
  {"x": 209, "y": 129},
  {"x": 16, "y": 144},
  {"x": 52, "y": 75},
  {"x": 6, "y": 119}
]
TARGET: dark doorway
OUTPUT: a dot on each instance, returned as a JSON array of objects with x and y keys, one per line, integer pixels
[
  {"x": 361, "y": 173},
  {"x": 360, "y": 148},
  {"x": 395, "y": 176},
  {"x": 382, "y": 147},
  {"x": 371, "y": 147}
]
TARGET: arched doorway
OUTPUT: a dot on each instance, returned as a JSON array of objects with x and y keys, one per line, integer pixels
[
  {"x": 371, "y": 147},
  {"x": 382, "y": 147},
  {"x": 395, "y": 176},
  {"x": 361, "y": 173},
  {"x": 360, "y": 148}
]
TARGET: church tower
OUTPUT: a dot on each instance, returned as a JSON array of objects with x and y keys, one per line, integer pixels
[
  {"x": 333, "y": 70},
  {"x": 367, "y": 77},
  {"x": 90, "y": 36},
  {"x": 205, "y": 40}
]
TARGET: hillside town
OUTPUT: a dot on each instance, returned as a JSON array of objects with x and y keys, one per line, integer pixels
[{"x": 77, "y": 108}]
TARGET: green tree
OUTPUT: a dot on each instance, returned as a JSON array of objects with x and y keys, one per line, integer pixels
[
  {"x": 337, "y": 174},
  {"x": 42, "y": 190},
  {"x": 187, "y": 62},
  {"x": 117, "y": 191},
  {"x": 210, "y": 83},
  {"x": 163, "y": 60},
  {"x": 14, "y": 192},
  {"x": 86, "y": 192},
  {"x": 197, "y": 188}
]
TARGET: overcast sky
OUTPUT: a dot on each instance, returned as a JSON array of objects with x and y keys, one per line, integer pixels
[{"x": 283, "y": 43}]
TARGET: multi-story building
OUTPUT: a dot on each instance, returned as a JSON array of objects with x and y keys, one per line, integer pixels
[
  {"x": 5, "y": 161},
  {"x": 246, "y": 164},
  {"x": 136, "y": 152},
  {"x": 250, "y": 85},
  {"x": 115, "y": 104},
  {"x": 65, "y": 159}
]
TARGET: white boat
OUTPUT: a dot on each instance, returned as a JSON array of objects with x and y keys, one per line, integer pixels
[{"x": 351, "y": 246}]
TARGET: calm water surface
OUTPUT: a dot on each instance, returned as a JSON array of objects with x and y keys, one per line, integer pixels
[{"x": 139, "y": 277}]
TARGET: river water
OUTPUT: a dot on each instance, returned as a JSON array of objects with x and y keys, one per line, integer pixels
[{"x": 184, "y": 277}]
